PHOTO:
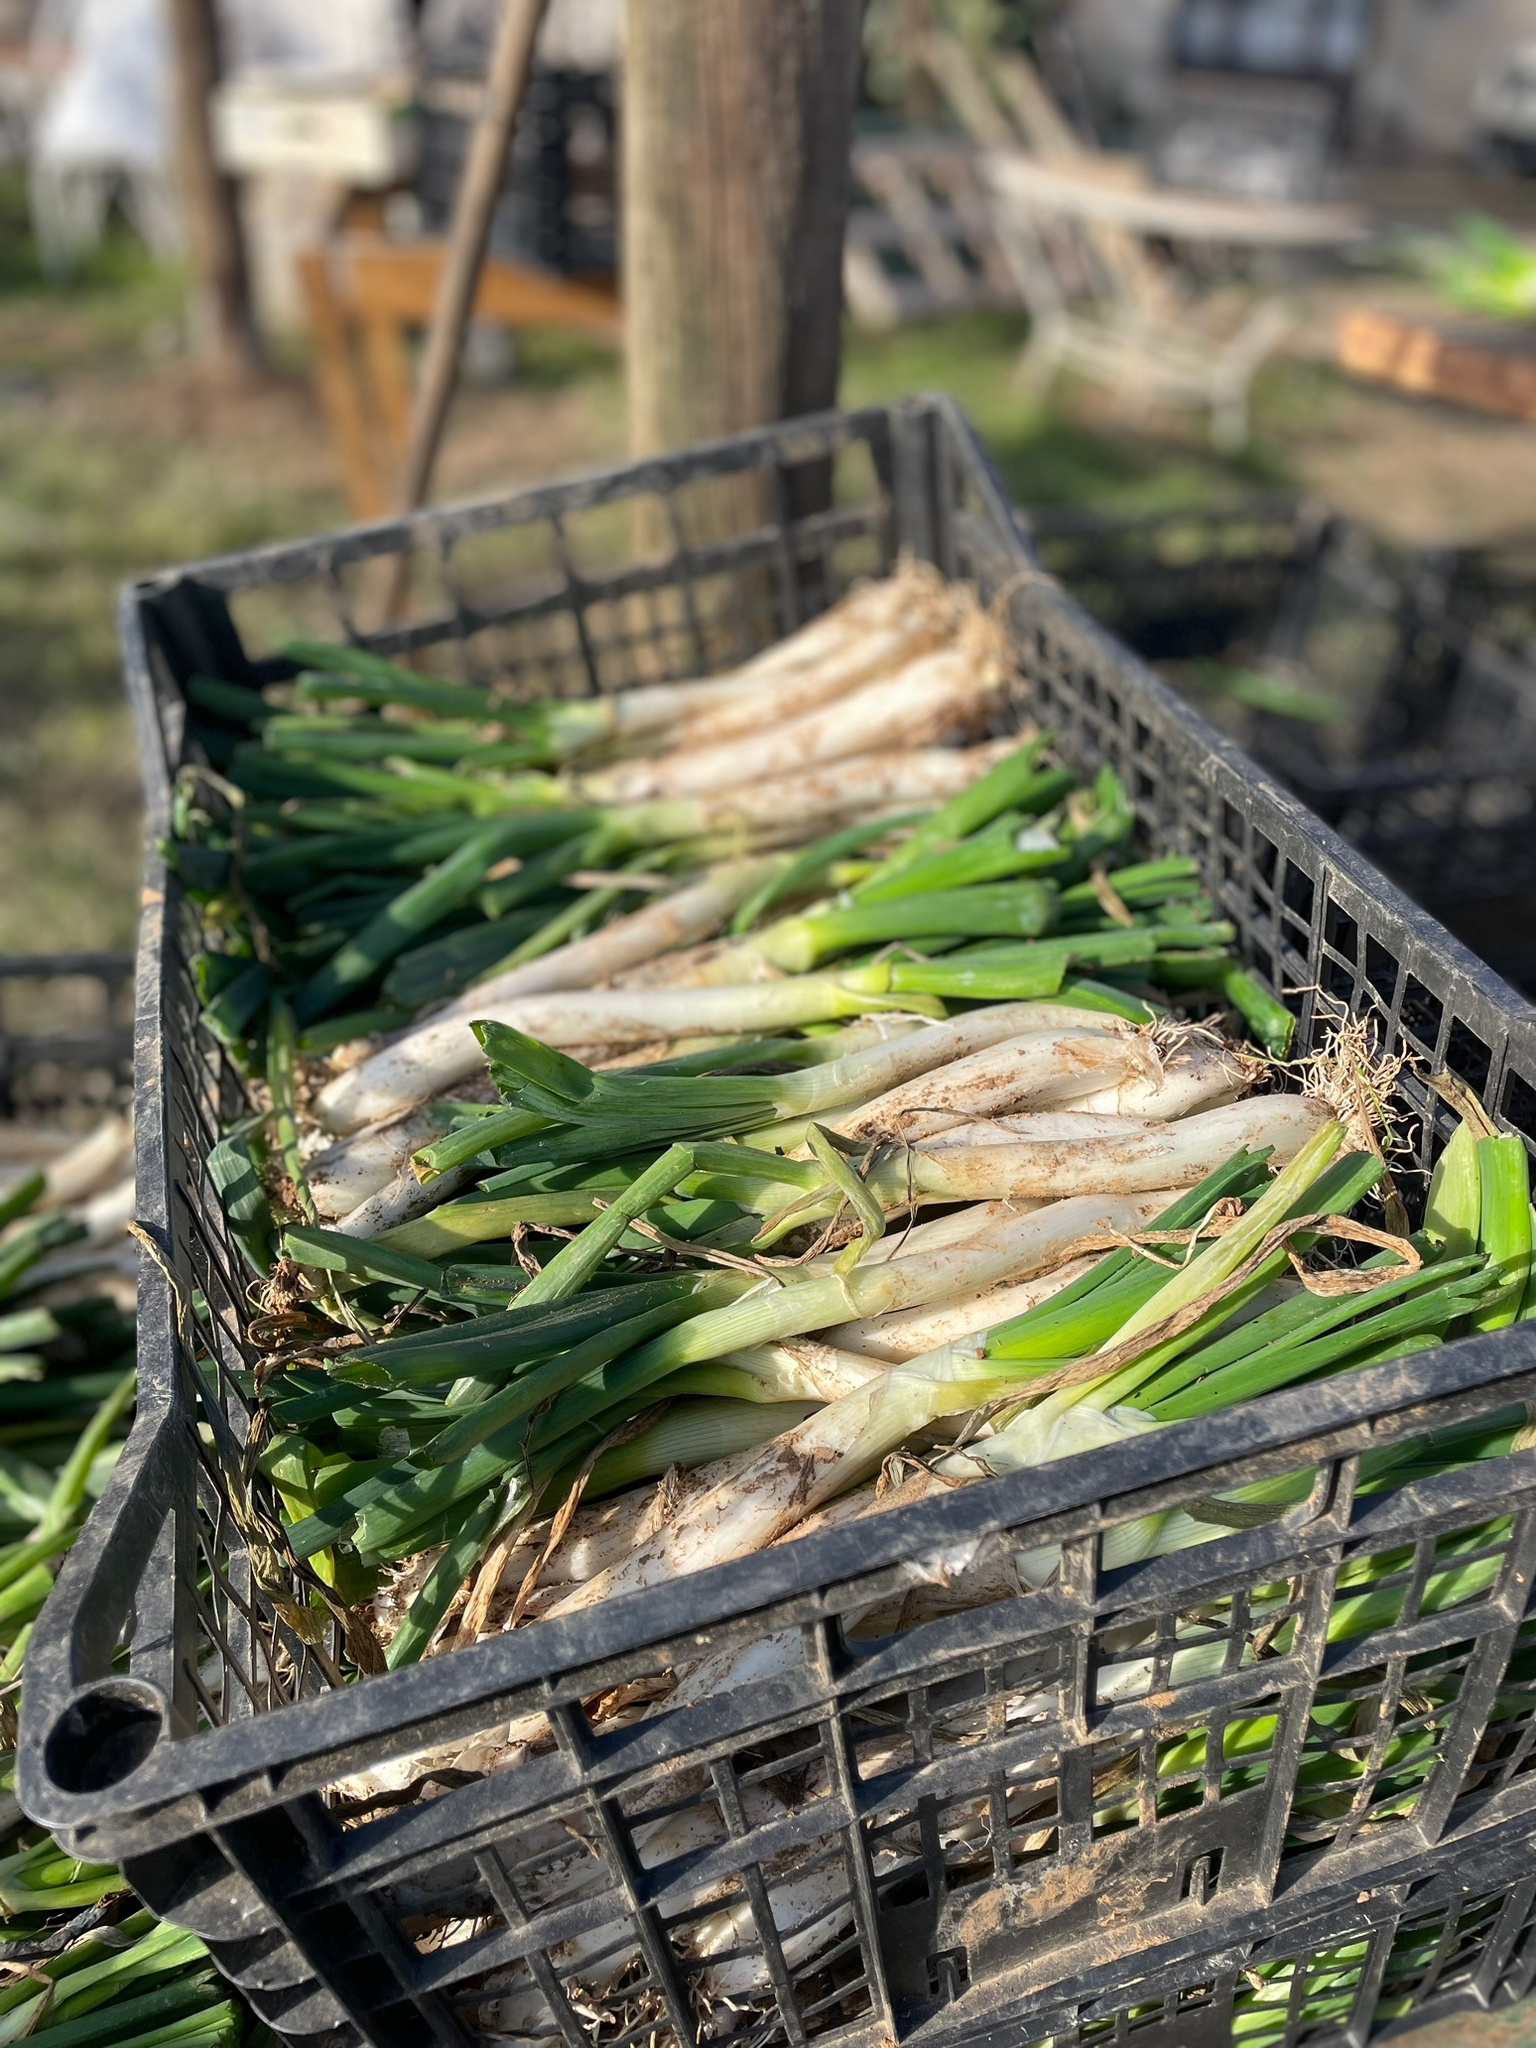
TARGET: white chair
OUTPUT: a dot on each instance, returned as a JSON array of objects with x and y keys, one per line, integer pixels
[
  {"x": 1080, "y": 248},
  {"x": 104, "y": 133}
]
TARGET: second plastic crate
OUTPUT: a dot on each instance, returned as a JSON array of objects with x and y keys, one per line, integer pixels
[{"x": 1426, "y": 758}]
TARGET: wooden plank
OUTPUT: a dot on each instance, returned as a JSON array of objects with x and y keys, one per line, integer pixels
[
  {"x": 928, "y": 211},
  {"x": 1490, "y": 372},
  {"x": 897, "y": 183},
  {"x": 399, "y": 280},
  {"x": 968, "y": 220},
  {"x": 389, "y": 374},
  {"x": 339, "y": 390}
]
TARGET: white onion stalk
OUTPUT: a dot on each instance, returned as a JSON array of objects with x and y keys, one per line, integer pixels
[
  {"x": 911, "y": 1332},
  {"x": 390, "y": 1082},
  {"x": 345, "y": 1174},
  {"x": 916, "y": 1484},
  {"x": 799, "y": 804},
  {"x": 401, "y": 1201},
  {"x": 1069, "y": 1414},
  {"x": 802, "y": 1369},
  {"x": 639, "y": 1017},
  {"x": 958, "y": 1227},
  {"x": 810, "y": 1910},
  {"x": 845, "y": 1442},
  {"x": 1042, "y": 1126},
  {"x": 832, "y": 1450},
  {"x": 937, "y": 697},
  {"x": 945, "y": 1584},
  {"x": 681, "y": 919},
  {"x": 1015, "y": 1246},
  {"x": 878, "y": 1073},
  {"x": 99, "y": 1160},
  {"x": 759, "y": 703},
  {"x": 978, "y": 1163},
  {"x": 604, "y": 1532},
  {"x": 903, "y": 603},
  {"x": 953, "y": 1169},
  {"x": 1039, "y": 1068},
  {"x": 1193, "y": 1078},
  {"x": 375, "y": 1161},
  {"x": 1041, "y": 1435},
  {"x": 992, "y": 1571},
  {"x": 437, "y": 1055}
]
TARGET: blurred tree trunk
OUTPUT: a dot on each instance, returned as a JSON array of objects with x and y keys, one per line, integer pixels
[
  {"x": 224, "y": 332},
  {"x": 737, "y": 126}
]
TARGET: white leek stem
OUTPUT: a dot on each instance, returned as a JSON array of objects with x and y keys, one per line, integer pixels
[
  {"x": 1223, "y": 1258},
  {"x": 1194, "y": 1078},
  {"x": 1039, "y": 1068},
  {"x": 1162, "y": 1155},
  {"x": 815, "y": 649},
  {"x": 834, "y": 1449},
  {"x": 960, "y": 1226},
  {"x": 977, "y": 1163},
  {"x": 1041, "y": 1126},
  {"x": 812, "y": 800},
  {"x": 347, "y": 1173},
  {"x": 98, "y": 1160},
  {"x": 803, "y": 1369},
  {"x": 405, "y": 1073},
  {"x": 1010, "y": 1034},
  {"x": 444, "y": 1052},
  {"x": 933, "y": 698},
  {"x": 402, "y": 1200},
  {"x": 861, "y": 659},
  {"x": 911, "y": 1332}
]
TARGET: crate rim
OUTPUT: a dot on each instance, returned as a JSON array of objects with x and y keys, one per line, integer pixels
[{"x": 822, "y": 433}]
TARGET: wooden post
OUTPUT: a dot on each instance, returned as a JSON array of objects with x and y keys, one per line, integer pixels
[
  {"x": 224, "y": 332},
  {"x": 737, "y": 128}
]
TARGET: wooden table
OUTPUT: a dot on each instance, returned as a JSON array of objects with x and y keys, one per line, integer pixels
[{"x": 366, "y": 295}]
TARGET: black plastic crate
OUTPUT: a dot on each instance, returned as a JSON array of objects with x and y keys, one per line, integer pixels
[
  {"x": 174, "y": 1720},
  {"x": 66, "y": 1036},
  {"x": 1431, "y": 767}
]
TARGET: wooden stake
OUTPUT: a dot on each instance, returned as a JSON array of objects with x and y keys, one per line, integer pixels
[{"x": 479, "y": 188}]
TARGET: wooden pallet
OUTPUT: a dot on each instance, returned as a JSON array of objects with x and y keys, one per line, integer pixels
[{"x": 1492, "y": 369}]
